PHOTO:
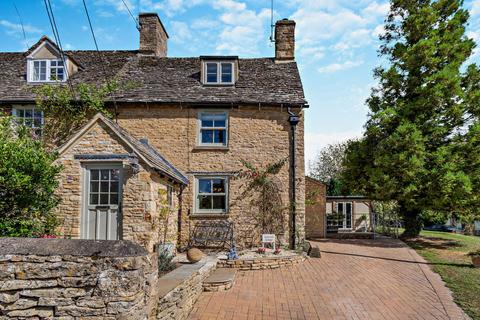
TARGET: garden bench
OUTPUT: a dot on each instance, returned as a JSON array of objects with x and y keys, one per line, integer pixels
[{"x": 212, "y": 235}]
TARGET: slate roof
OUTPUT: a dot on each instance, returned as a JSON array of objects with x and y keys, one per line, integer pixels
[
  {"x": 149, "y": 154},
  {"x": 164, "y": 80}
]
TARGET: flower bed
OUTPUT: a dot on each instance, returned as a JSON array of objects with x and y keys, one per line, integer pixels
[{"x": 252, "y": 260}]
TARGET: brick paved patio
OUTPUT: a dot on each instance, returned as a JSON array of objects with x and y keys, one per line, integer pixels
[{"x": 354, "y": 279}]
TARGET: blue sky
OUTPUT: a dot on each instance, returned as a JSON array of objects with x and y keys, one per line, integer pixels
[{"x": 336, "y": 43}]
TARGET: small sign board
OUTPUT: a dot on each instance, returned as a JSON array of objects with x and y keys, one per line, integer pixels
[{"x": 268, "y": 238}]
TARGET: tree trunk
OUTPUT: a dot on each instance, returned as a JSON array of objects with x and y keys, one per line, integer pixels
[{"x": 413, "y": 224}]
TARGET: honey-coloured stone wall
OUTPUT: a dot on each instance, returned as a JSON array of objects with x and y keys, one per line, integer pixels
[{"x": 259, "y": 135}]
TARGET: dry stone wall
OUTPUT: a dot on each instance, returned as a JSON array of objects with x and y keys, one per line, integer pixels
[{"x": 70, "y": 279}]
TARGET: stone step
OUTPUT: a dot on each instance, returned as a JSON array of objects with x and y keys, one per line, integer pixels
[{"x": 220, "y": 280}]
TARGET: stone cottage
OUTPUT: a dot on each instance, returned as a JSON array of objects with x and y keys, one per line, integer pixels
[{"x": 168, "y": 158}]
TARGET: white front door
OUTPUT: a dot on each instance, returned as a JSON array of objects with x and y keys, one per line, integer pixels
[{"x": 101, "y": 218}]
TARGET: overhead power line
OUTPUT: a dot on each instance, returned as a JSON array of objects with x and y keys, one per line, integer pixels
[
  {"x": 101, "y": 58},
  {"x": 56, "y": 35},
  {"x": 137, "y": 25},
  {"x": 21, "y": 23}
]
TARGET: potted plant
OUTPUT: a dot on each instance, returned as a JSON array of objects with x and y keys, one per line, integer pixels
[{"x": 475, "y": 255}]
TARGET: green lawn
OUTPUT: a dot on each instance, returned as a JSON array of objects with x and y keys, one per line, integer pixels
[{"x": 447, "y": 253}]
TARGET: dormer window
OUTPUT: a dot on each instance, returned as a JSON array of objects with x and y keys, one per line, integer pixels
[
  {"x": 219, "y": 70},
  {"x": 46, "y": 70}
]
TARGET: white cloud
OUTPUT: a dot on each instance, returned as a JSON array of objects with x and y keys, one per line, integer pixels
[
  {"x": 16, "y": 28},
  {"x": 378, "y": 31},
  {"x": 229, "y": 5},
  {"x": 335, "y": 67},
  {"x": 182, "y": 32},
  {"x": 342, "y": 26},
  {"x": 376, "y": 10},
  {"x": 317, "y": 26},
  {"x": 354, "y": 39},
  {"x": 169, "y": 7},
  {"x": 475, "y": 35},
  {"x": 314, "y": 142},
  {"x": 243, "y": 29},
  {"x": 475, "y": 9},
  {"x": 312, "y": 53}
]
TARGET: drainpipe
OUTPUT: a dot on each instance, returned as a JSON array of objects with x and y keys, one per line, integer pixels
[
  {"x": 293, "y": 119},
  {"x": 179, "y": 222}
]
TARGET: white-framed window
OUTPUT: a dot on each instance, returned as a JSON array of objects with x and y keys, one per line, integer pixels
[
  {"x": 213, "y": 129},
  {"x": 46, "y": 70},
  {"x": 218, "y": 72},
  {"x": 211, "y": 194},
  {"x": 30, "y": 117}
]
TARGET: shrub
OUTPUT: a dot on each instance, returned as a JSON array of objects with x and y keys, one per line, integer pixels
[{"x": 28, "y": 179}]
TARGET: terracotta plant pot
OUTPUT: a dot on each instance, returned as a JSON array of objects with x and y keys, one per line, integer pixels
[{"x": 476, "y": 261}]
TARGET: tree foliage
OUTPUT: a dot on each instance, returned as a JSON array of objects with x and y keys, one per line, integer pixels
[
  {"x": 28, "y": 179},
  {"x": 411, "y": 151},
  {"x": 328, "y": 164},
  {"x": 328, "y": 167}
]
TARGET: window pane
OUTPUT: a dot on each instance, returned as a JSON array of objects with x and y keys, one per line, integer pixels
[
  {"x": 219, "y": 136},
  {"x": 104, "y": 198},
  {"x": 93, "y": 198},
  {"x": 37, "y": 123},
  {"x": 212, "y": 78},
  {"x": 227, "y": 72},
  {"x": 207, "y": 123},
  {"x": 104, "y": 174},
  {"x": 114, "y": 187},
  {"x": 204, "y": 186},
  {"x": 207, "y": 136},
  {"x": 205, "y": 202},
  {"x": 94, "y": 174},
  {"x": 218, "y": 186},
  {"x": 220, "y": 123},
  {"x": 38, "y": 114},
  {"x": 340, "y": 208},
  {"x": 219, "y": 202},
  {"x": 212, "y": 72},
  {"x": 103, "y": 186},
  {"x": 94, "y": 186},
  {"x": 226, "y": 68},
  {"x": 114, "y": 198},
  {"x": 115, "y": 175},
  {"x": 28, "y": 113}
]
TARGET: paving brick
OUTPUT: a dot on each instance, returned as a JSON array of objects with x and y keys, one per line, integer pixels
[{"x": 355, "y": 279}]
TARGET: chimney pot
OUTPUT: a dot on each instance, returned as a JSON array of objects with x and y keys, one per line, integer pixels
[
  {"x": 284, "y": 40},
  {"x": 153, "y": 36}
]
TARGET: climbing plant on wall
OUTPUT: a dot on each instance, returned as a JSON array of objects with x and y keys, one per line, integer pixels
[
  {"x": 264, "y": 190},
  {"x": 67, "y": 108}
]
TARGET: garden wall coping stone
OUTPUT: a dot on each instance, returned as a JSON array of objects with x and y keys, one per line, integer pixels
[{"x": 72, "y": 247}]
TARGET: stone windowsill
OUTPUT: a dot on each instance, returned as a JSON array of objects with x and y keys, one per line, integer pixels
[
  {"x": 211, "y": 148},
  {"x": 208, "y": 216}
]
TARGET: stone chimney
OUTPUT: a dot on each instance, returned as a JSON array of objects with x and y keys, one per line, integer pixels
[
  {"x": 284, "y": 40},
  {"x": 153, "y": 36}
]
